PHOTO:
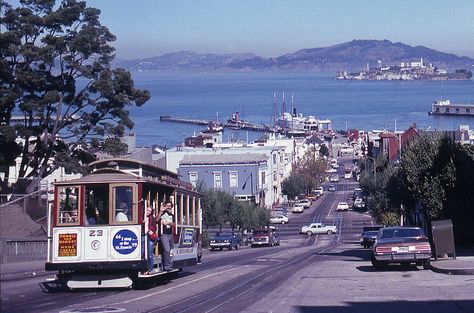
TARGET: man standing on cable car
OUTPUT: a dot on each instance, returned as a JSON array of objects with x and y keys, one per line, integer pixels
[{"x": 165, "y": 220}]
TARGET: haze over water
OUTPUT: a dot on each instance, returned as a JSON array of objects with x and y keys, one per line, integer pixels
[{"x": 363, "y": 105}]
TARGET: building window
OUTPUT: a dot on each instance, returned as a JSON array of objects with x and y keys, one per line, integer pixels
[
  {"x": 193, "y": 178},
  {"x": 263, "y": 178},
  {"x": 274, "y": 159},
  {"x": 275, "y": 176},
  {"x": 217, "y": 180},
  {"x": 468, "y": 111},
  {"x": 233, "y": 179}
]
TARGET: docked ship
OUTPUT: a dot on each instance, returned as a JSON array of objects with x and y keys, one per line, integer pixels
[
  {"x": 445, "y": 107},
  {"x": 295, "y": 122}
]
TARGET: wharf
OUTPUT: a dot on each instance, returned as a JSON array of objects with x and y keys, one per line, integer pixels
[{"x": 243, "y": 126}]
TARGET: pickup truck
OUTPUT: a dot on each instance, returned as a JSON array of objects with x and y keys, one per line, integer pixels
[{"x": 318, "y": 228}]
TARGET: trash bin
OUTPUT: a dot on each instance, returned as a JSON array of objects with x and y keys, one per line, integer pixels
[{"x": 443, "y": 238}]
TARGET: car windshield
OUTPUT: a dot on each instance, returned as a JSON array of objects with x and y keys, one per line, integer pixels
[
  {"x": 223, "y": 234},
  {"x": 371, "y": 233},
  {"x": 401, "y": 232},
  {"x": 260, "y": 232}
]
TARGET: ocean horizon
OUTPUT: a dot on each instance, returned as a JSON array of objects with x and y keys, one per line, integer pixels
[{"x": 364, "y": 105}]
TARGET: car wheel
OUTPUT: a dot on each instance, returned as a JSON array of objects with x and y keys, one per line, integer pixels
[
  {"x": 222, "y": 249},
  {"x": 230, "y": 248},
  {"x": 426, "y": 264},
  {"x": 283, "y": 222},
  {"x": 309, "y": 233},
  {"x": 329, "y": 232},
  {"x": 236, "y": 247}
]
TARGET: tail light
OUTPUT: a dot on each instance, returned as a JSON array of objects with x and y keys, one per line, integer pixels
[
  {"x": 383, "y": 249},
  {"x": 423, "y": 247}
]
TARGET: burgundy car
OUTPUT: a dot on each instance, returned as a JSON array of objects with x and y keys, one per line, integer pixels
[{"x": 402, "y": 245}]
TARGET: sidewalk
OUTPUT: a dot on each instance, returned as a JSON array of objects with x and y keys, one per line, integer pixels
[
  {"x": 21, "y": 270},
  {"x": 462, "y": 265}
]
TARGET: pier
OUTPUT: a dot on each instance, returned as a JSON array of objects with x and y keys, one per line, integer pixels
[{"x": 242, "y": 125}]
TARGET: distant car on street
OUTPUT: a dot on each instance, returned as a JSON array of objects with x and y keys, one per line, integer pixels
[
  {"x": 402, "y": 245},
  {"x": 227, "y": 240},
  {"x": 318, "y": 228},
  {"x": 332, "y": 188},
  {"x": 357, "y": 193},
  {"x": 342, "y": 206},
  {"x": 279, "y": 219},
  {"x": 334, "y": 178},
  {"x": 264, "y": 237},
  {"x": 305, "y": 202},
  {"x": 319, "y": 191},
  {"x": 359, "y": 204},
  {"x": 297, "y": 208},
  {"x": 367, "y": 239}
]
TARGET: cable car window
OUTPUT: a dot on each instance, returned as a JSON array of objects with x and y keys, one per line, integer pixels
[
  {"x": 68, "y": 212},
  {"x": 96, "y": 205},
  {"x": 122, "y": 203}
]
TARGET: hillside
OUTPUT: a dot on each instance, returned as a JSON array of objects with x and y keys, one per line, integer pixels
[{"x": 349, "y": 56}]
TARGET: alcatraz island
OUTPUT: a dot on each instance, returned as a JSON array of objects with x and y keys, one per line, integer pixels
[{"x": 416, "y": 70}]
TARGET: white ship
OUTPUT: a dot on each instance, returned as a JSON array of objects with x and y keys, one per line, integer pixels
[{"x": 445, "y": 107}]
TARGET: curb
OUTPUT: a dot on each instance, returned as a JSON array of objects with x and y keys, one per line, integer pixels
[{"x": 452, "y": 271}]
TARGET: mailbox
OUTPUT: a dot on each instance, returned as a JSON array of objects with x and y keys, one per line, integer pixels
[{"x": 443, "y": 238}]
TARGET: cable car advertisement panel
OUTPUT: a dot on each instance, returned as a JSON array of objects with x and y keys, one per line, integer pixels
[
  {"x": 67, "y": 244},
  {"x": 125, "y": 242}
]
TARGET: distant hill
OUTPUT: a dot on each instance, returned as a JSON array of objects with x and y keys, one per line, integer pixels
[{"x": 349, "y": 56}]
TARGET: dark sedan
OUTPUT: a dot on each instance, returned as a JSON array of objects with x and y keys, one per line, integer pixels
[
  {"x": 222, "y": 240},
  {"x": 402, "y": 245},
  {"x": 368, "y": 238}
]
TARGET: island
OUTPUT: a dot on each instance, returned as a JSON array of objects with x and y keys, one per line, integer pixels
[{"x": 416, "y": 70}]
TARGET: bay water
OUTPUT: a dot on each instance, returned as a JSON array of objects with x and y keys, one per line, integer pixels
[{"x": 365, "y": 105}]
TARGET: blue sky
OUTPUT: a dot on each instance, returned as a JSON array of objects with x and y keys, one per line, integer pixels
[{"x": 271, "y": 28}]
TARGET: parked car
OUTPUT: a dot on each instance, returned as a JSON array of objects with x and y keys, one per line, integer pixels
[
  {"x": 264, "y": 237},
  {"x": 334, "y": 178},
  {"x": 318, "y": 228},
  {"x": 342, "y": 206},
  {"x": 357, "y": 193},
  {"x": 402, "y": 245},
  {"x": 319, "y": 191},
  {"x": 332, "y": 188},
  {"x": 297, "y": 208},
  {"x": 279, "y": 219},
  {"x": 367, "y": 239},
  {"x": 305, "y": 202},
  {"x": 359, "y": 203},
  {"x": 221, "y": 240}
]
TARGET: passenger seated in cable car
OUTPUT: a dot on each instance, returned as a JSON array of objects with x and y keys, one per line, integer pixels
[{"x": 123, "y": 212}]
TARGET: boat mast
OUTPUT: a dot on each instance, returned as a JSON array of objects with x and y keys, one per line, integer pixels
[
  {"x": 274, "y": 110},
  {"x": 283, "y": 111},
  {"x": 292, "y": 111}
]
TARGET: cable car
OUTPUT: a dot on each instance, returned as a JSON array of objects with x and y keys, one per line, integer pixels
[{"x": 97, "y": 230}]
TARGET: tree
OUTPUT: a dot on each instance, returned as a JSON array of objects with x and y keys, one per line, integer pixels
[
  {"x": 213, "y": 213},
  {"x": 324, "y": 151},
  {"x": 55, "y": 72},
  {"x": 293, "y": 185},
  {"x": 311, "y": 170}
]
